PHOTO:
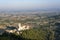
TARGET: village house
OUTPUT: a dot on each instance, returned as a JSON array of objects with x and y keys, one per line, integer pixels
[{"x": 17, "y": 29}]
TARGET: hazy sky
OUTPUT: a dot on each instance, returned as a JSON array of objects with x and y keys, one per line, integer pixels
[{"x": 29, "y": 4}]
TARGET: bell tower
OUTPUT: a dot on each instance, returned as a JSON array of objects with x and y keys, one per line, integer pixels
[{"x": 19, "y": 25}]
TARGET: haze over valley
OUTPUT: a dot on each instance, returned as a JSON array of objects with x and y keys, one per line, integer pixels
[{"x": 29, "y": 19}]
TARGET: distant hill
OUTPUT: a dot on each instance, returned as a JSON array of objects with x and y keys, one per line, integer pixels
[{"x": 44, "y": 12}]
